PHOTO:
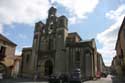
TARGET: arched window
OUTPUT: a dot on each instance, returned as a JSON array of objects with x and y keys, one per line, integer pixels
[{"x": 2, "y": 52}]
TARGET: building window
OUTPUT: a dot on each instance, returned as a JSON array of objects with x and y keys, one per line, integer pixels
[
  {"x": 27, "y": 58},
  {"x": 124, "y": 33},
  {"x": 121, "y": 56},
  {"x": 2, "y": 52}
]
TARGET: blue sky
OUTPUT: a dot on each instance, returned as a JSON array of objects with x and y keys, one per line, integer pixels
[{"x": 99, "y": 19}]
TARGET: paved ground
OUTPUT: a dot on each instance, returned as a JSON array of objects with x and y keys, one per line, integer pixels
[
  {"x": 108, "y": 79},
  {"x": 22, "y": 80},
  {"x": 102, "y": 80}
]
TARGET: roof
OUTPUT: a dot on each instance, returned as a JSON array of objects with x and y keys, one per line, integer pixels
[
  {"x": 89, "y": 40},
  {"x": 89, "y": 43},
  {"x": 7, "y": 40},
  {"x": 79, "y": 44},
  {"x": 27, "y": 49},
  {"x": 123, "y": 23},
  {"x": 75, "y": 34}
]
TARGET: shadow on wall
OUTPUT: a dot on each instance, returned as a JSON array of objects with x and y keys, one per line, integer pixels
[{"x": 118, "y": 79}]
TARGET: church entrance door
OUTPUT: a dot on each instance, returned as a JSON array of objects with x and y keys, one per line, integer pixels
[{"x": 48, "y": 68}]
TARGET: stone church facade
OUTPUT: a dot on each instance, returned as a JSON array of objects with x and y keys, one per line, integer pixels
[{"x": 55, "y": 51}]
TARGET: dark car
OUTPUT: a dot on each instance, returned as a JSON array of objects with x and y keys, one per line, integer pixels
[
  {"x": 53, "y": 79},
  {"x": 64, "y": 78},
  {"x": 75, "y": 76},
  {"x": 104, "y": 74}
]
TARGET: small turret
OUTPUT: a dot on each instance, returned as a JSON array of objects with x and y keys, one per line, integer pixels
[
  {"x": 39, "y": 26},
  {"x": 62, "y": 22},
  {"x": 52, "y": 12},
  {"x": 51, "y": 21}
]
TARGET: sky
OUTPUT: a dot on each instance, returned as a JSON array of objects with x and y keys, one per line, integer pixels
[{"x": 99, "y": 19}]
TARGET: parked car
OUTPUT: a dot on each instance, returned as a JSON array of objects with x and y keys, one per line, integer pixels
[
  {"x": 75, "y": 76},
  {"x": 98, "y": 74},
  {"x": 64, "y": 78},
  {"x": 104, "y": 74},
  {"x": 53, "y": 79}
]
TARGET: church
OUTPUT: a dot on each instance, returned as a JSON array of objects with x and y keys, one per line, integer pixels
[{"x": 56, "y": 51}]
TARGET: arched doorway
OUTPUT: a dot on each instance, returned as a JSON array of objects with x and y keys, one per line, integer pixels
[{"x": 48, "y": 68}]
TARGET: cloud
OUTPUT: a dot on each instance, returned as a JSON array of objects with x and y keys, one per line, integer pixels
[
  {"x": 18, "y": 53},
  {"x": 29, "y": 11},
  {"x": 78, "y": 8},
  {"x": 114, "y": 15},
  {"x": 23, "y": 11},
  {"x": 22, "y": 36},
  {"x": 108, "y": 37},
  {"x": 1, "y": 28}
]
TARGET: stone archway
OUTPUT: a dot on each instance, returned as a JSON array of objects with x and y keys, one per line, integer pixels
[{"x": 48, "y": 68}]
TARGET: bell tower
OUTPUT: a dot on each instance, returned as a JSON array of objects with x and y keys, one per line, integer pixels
[
  {"x": 52, "y": 12},
  {"x": 51, "y": 25},
  {"x": 61, "y": 34},
  {"x": 39, "y": 26},
  {"x": 51, "y": 21}
]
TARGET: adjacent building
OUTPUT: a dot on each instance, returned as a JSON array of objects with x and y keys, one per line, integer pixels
[
  {"x": 55, "y": 51},
  {"x": 7, "y": 53},
  {"x": 101, "y": 68},
  {"x": 16, "y": 66},
  {"x": 116, "y": 66},
  {"x": 120, "y": 49}
]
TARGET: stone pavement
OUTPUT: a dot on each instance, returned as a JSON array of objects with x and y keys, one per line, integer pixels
[
  {"x": 21, "y": 80},
  {"x": 101, "y": 80},
  {"x": 108, "y": 79}
]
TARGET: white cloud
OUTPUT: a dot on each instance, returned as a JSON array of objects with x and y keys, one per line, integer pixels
[
  {"x": 78, "y": 8},
  {"x": 114, "y": 15},
  {"x": 109, "y": 36},
  {"x": 28, "y": 11},
  {"x": 23, "y": 11},
  {"x": 18, "y": 53},
  {"x": 22, "y": 36},
  {"x": 1, "y": 28}
]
